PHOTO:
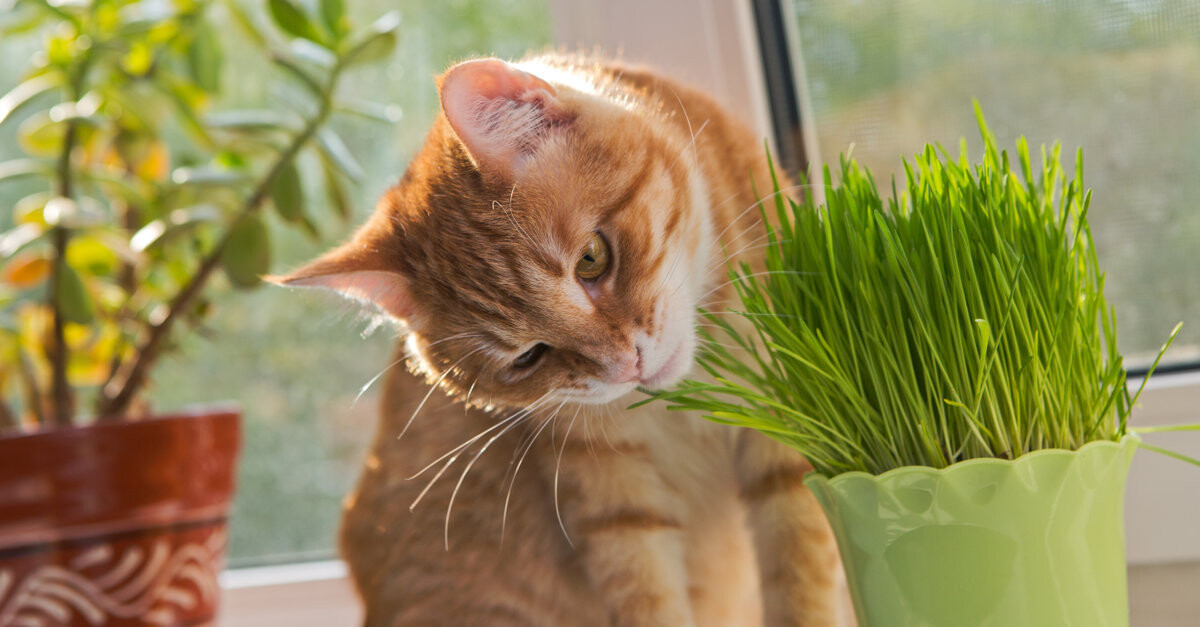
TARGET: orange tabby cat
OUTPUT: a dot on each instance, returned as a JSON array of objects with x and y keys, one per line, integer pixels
[{"x": 546, "y": 252}]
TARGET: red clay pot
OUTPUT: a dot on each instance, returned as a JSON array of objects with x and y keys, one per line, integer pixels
[{"x": 116, "y": 524}]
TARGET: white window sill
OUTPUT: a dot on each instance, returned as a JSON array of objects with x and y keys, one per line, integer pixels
[
  {"x": 318, "y": 594},
  {"x": 309, "y": 594}
]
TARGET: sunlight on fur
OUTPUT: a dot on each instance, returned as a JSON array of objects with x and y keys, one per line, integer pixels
[{"x": 522, "y": 490}]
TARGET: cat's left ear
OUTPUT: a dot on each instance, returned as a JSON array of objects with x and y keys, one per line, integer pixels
[
  {"x": 501, "y": 113},
  {"x": 352, "y": 271}
]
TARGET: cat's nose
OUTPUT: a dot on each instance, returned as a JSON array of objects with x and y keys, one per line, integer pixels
[{"x": 627, "y": 369}]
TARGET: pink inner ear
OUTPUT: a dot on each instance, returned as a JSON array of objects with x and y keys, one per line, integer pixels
[
  {"x": 500, "y": 112},
  {"x": 386, "y": 290}
]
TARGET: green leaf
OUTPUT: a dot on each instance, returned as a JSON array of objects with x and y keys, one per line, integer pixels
[
  {"x": 290, "y": 18},
  {"x": 185, "y": 98},
  {"x": 92, "y": 254},
  {"x": 23, "y": 94},
  {"x": 71, "y": 297},
  {"x": 336, "y": 151},
  {"x": 17, "y": 168},
  {"x": 178, "y": 221},
  {"x": 247, "y": 25},
  {"x": 205, "y": 176},
  {"x": 247, "y": 256},
  {"x": 336, "y": 191},
  {"x": 287, "y": 194},
  {"x": 23, "y": 18},
  {"x": 63, "y": 211},
  {"x": 300, "y": 74},
  {"x": 389, "y": 114},
  {"x": 378, "y": 42},
  {"x": 41, "y": 136},
  {"x": 205, "y": 59},
  {"x": 312, "y": 53},
  {"x": 15, "y": 239},
  {"x": 333, "y": 13},
  {"x": 250, "y": 119}
]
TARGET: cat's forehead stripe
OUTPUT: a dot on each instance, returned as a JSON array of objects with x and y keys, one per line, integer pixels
[{"x": 641, "y": 178}]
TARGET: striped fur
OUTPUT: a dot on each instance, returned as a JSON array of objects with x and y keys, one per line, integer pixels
[{"x": 579, "y": 512}]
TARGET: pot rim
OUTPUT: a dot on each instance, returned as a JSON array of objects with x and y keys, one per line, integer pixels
[
  {"x": 92, "y": 423},
  {"x": 1129, "y": 439},
  {"x": 82, "y": 481}
]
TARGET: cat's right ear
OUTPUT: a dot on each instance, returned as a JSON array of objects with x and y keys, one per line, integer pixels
[
  {"x": 500, "y": 112},
  {"x": 351, "y": 272}
]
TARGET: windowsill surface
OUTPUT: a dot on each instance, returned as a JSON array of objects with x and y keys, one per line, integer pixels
[
  {"x": 1160, "y": 595},
  {"x": 316, "y": 594}
]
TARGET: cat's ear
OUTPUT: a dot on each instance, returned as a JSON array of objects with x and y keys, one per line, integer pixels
[
  {"x": 351, "y": 272},
  {"x": 500, "y": 112}
]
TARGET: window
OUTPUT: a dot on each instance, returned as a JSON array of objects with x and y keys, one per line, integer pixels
[
  {"x": 1121, "y": 79},
  {"x": 292, "y": 362}
]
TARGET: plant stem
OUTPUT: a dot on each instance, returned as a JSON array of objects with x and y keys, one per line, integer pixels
[
  {"x": 33, "y": 396},
  {"x": 8, "y": 419},
  {"x": 131, "y": 218},
  {"x": 63, "y": 406},
  {"x": 113, "y": 403}
]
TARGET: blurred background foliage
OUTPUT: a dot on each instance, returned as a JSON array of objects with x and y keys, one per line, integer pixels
[
  {"x": 293, "y": 366},
  {"x": 1119, "y": 78}
]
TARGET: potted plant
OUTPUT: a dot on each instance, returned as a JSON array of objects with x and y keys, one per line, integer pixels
[
  {"x": 111, "y": 513},
  {"x": 948, "y": 363}
]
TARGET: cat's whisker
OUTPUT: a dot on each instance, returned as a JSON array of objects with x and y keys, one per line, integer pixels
[
  {"x": 467, "y": 400},
  {"x": 433, "y": 387},
  {"x": 721, "y": 247},
  {"x": 604, "y": 427},
  {"x": 462, "y": 446},
  {"x": 587, "y": 426},
  {"x": 716, "y": 343},
  {"x": 450, "y": 462},
  {"x": 513, "y": 481},
  {"x": 688, "y": 119},
  {"x": 666, "y": 280},
  {"x": 513, "y": 220},
  {"x": 755, "y": 244},
  {"x": 458, "y": 336},
  {"x": 771, "y": 196},
  {"x": 743, "y": 277},
  {"x": 511, "y": 421},
  {"x": 453, "y": 454},
  {"x": 366, "y": 386},
  {"x": 463, "y": 476},
  {"x": 557, "y": 470},
  {"x": 751, "y": 313}
]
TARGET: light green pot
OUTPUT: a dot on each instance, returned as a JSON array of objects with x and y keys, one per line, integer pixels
[{"x": 987, "y": 542}]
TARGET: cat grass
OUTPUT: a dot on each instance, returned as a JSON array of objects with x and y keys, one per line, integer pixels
[{"x": 962, "y": 316}]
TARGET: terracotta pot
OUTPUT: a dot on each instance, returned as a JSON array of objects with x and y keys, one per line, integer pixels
[{"x": 116, "y": 524}]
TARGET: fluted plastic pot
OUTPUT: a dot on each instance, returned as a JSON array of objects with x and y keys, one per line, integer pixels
[{"x": 987, "y": 542}]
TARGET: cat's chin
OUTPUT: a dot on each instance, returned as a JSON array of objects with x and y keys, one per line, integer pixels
[{"x": 602, "y": 394}]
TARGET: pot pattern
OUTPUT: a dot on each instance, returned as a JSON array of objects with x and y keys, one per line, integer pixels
[
  {"x": 116, "y": 524},
  {"x": 163, "y": 577}
]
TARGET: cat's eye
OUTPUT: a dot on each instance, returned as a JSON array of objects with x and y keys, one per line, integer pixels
[
  {"x": 531, "y": 356},
  {"x": 593, "y": 263}
]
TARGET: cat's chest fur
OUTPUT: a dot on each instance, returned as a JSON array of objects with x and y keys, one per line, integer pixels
[{"x": 697, "y": 461}]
